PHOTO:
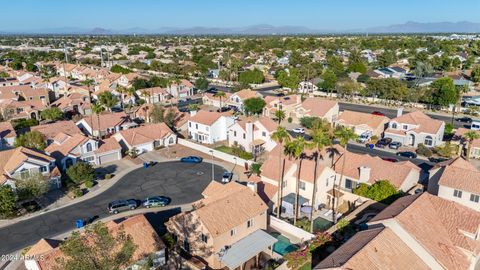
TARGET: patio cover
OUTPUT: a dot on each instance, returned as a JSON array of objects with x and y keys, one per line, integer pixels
[
  {"x": 289, "y": 201},
  {"x": 247, "y": 248},
  {"x": 258, "y": 142}
]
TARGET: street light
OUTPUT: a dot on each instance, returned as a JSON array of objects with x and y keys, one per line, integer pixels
[{"x": 213, "y": 168}]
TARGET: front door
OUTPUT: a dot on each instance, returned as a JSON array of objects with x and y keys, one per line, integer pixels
[{"x": 412, "y": 140}]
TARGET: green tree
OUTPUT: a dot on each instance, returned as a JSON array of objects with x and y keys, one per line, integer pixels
[
  {"x": 476, "y": 73},
  {"x": 444, "y": 92},
  {"x": 279, "y": 115},
  {"x": 387, "y": 58},
  {"x": 108, "y": 100},
  {"x": 280, "y": 136},
  {"x": 470, "y": 136},
  {"x": 329, "y": 81},
  {"x": 4, "y": 74},
  {"x": 289, "y": 80},
  {"x": 32, "y": 139},
  {"x": 32, "y": 187},
  {"x": 343, "y": 135},
  {"x": 96, "y": 248},
  {"x": 120, "y": 69},
  {"x": 170, "y": 118},
  {"x": 254, "y": 105},
  {"x": 158, "y": 114},
  {"x": 52, "y": 113},
  {"x": 8, "y": 201},
  {"x": 380, "y": 191},
  {"x": 335, "y": 64},
  {"x": 81, "y": 172},
  {"x": 201, "y": 83},
  {"x": 251, "y": 76}
]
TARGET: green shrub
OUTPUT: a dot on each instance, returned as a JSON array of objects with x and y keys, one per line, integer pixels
[
  {"x": 423, "y": 150},
  {"x": 381, "y": 191},
  {"x": 256, "y": 168},
  {"x": 77, "y": 192},
  {"x": 89, "y": 184},
  {"x": 308, "y": 121},
  {"x": 289, "y": 119}
]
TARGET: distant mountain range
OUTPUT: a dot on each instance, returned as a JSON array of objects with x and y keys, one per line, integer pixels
[{"x": 265, "y": 29}]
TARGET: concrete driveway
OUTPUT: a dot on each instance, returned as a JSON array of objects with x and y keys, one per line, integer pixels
[{"x": 182, "y": 182}]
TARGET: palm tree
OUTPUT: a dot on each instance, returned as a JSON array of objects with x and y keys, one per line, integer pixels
[
  {"x": 108, "y": 100},
  {"x": 280, "y": 136},
  {"x": 279, "y": 115},
  {"x": 97, "y": 108},
  {"x": 220, "y": 95},
  {"x": 470, "y": 136},
  {"x": 344, "y": 135},
  {"x": 295, "y": 149},
  {"x": 146, "y": 95},
  {"x": 320, "y": 139}
]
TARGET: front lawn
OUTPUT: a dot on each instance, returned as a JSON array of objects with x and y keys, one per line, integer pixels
[{"x": 235, "y": 151}]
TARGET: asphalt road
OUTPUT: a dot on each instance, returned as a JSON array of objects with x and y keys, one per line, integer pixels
[{"x": 182, "y": 182}]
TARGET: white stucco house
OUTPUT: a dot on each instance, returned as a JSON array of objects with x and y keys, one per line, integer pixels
[
  {"x": 252, "y": 135},
  {"x": 414, "y": 128},
  {"x": 146, "y": 138},
  {"x": 7, "y": 135},
  {"x": 209, "y": 127}
]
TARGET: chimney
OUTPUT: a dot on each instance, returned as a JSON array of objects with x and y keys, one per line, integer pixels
[
  {"x": 399, "y": 111},
  {"x": 193, "y": 113},
  {"x": 249, "y": 131},
  {"x": 253, "y": 186},
  {"x": 364, "y": 174}
]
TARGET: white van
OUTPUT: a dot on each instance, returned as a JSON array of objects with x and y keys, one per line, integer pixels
[
  {"x": 365, "y": 137},
  {"x": 475, "y": 125}
]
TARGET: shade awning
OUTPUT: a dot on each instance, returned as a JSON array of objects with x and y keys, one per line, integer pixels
[
  {"x": 258, "y": 142},
  {"x": 246, "y": 248}
]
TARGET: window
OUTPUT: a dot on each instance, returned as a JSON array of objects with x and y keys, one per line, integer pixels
[
  {"x": 428, "y": 141},
  {"x": 186, "y": 246},
  {"x": 474, "y": 198},
  {"x": 89, "y": 159},
  {"x": 232, "y": 232},
  {"x": 234, "y": 134},
  {"x": 249, "y": 223},
  {"x": 244, "y": 135},
  {"x": 264, "y": 134},
  {"x": 405, "y": 127},
  {"x": 190, "y": 124},
  {"x": 170, "y": 141},
  {"x": 196, "y": 126},
  {"x": 43, "y": 169},
  {"x": 24, "y": 173},
  {"x": 348, "y": 184},
  {"x": 204, "y": 238},
  {"x": 284, "y": 184},
  {"x": 206, "y": 128},
  {"x": 302, "y": 185},
  {"x": 457, "y": 193},
  {"x": 89, "y": 147},
  {"x": 394, "y": 125}
]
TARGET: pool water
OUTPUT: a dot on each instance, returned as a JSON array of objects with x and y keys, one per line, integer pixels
[
  {"x": 283, "y": 245},
  {"x": 321, "y": 224}
]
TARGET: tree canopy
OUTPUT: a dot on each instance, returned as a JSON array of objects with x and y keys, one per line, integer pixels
[
  {"x": 81, "y": 172},
  {"x": 32, "y": 139},
  {"x": 52, "y": 113},
  {"x": 8, "y": 201},
  {"x": 381, "y": 191},
  {"x": 254, "y": 105},
  {"x": 251, "y": 76}
]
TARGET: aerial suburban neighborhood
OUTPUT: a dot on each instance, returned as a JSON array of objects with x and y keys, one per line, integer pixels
[{"x": 330, "y": 143}]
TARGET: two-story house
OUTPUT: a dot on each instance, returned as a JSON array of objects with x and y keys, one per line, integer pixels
[
  {"x": 227, "y": 229},
  {"x": 104, "y": 124},
  {"x": 209, "y": 127},
  {"x": 253, "y": 136},
  {"x": 317, "y": 107},
  {"x": 146, "y": 138},
  {"x": 237, "y": 98},
  {"x": 456, "y": 180},
  {"x": 153, "y": 95},
  {"x": 181, "y": 89},
  {"x": 21, "y": 162},
  {"x": 414, "y": 128},
  {"x": 287, "y": 104}
]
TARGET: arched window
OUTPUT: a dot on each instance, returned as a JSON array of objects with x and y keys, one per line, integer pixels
[
  {"x": 394, "y": 125},
  {"x": 89, "y": 147},
  {"x": 429, "y": 141},
  {"x": 170, "y": 141}
]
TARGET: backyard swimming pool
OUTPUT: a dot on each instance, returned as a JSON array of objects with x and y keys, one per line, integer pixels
[{"x": 283, "y": 245}]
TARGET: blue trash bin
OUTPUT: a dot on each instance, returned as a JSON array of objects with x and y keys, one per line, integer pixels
[
  {"x": 145, "y": 165},
  {"x": 371, "y": 146},
  {"x": 80, "y": 223}
]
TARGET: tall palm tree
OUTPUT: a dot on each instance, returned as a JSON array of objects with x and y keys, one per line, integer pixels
[
  {"x": 108, "y": 100},
  {"x": 343, "y": 135},
  {"x": 97, "y": 108},
  {"x": 280, "y": 136},
  {"x": 220, "y": 95},
  {"x": 320, "y": 139},
  {"x": 279, "y": 115},
  {"x": 296, "y": 150},
  {"x": 470, "y": 136}
]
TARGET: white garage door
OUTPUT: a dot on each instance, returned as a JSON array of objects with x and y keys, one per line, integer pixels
[{"x": 108, "y": 158}]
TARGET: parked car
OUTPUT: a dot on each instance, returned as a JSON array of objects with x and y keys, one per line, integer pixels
[
  {"x": 224, "y": 109},
  {"x": 156, "y": 201},
  {"x": 382, "y": 143},
  {"x": 395, "y": 145},
  {"x": 407, "y": 154},
  {"x": 365, "y": 137},
  {"x": 227, "y": 177},
  {"x": 299, "y": 130},
  {"x": 378, "y": 113},
  {"x": 475, "y": 125},
  {"x": 122, "y": 205},
  {"x": 191, "y": 159},
  {"x": 437, "y": 160},
  {"x": 464, "y": 119},
  {"x": 390, "y": 159}
]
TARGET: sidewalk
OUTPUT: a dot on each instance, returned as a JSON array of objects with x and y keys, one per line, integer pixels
[{"x": 64, "y": 201}]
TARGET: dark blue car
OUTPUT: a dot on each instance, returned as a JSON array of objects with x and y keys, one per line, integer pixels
[{"x": 191, "y": 159}]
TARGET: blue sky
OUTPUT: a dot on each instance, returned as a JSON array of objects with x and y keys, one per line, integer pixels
[{"x": 152, "y": 14}]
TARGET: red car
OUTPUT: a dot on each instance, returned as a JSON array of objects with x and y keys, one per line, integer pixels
[{"x": 378, "y": 113}]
